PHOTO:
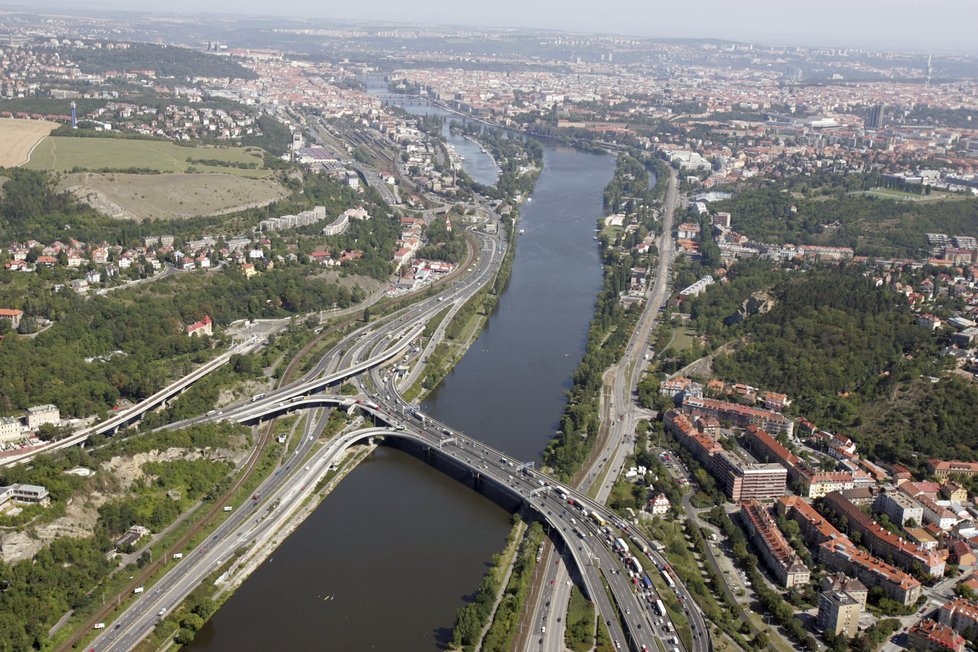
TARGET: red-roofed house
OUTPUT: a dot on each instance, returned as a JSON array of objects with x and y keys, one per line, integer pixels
[
  {"x": 931, "y": 635},
  {"x": 13, "y": 315},
  {"x": 201, "y": 328}
]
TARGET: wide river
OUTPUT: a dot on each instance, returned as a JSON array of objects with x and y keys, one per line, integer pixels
[{"x": 397, "y": 548}]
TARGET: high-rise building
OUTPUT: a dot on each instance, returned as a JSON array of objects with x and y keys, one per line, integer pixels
[
  {"x": 874, "y": 118},
  {"x": 838, "y": 613}
]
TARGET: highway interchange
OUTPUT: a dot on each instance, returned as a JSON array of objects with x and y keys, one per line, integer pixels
[{"x": 630, "y": 614}]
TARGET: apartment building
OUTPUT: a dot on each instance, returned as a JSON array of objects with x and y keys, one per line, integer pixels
[
  {"x": 899, "y": 507},
  {"x": 931, "y": 635},
  {"x": 838, "y": 613},
  {"x": 961, "y": 615},
  {"x": 844, "y": 557},
  {"x": 883, "y": 542},
  {"x": 11, "y": 429},
  {"x": 937, "y": 514},
  {"x": 839, "y": 554},
  {"x": 839, "y": 583},
  {"x": 943, "y": 469},
  {"x": 777, "y": 553},
  {"x": 739, "y": 479},
  {"x": 743, "y": 481},
  {"x": 740, "y": 415}
]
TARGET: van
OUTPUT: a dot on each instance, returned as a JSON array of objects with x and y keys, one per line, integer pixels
[
  {"x": 228, "y": 508},
  {"x": 178, "y": 555},
  {"x": 138, "y": 589},
  {"x": 99, "y": 625}
]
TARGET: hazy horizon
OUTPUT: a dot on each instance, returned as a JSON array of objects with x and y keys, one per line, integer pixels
[{"x": 945, "y": 26}]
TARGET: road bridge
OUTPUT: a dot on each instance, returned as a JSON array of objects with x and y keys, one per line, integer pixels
[{"x": 517, "y": 486}]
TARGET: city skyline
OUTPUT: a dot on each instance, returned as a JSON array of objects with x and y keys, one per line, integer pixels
[{"x": 871, "y": 24}]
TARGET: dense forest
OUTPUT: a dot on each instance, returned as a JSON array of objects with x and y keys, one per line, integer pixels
[
  {"x": 832, "y": 340},
  {"x": 275, "y": 137},
  {"x": 147, "y": 327},
  {"x": 872, "y": 227},
  {"x": 851, "y": 357},
  {"x": 165, "y": 61},
  {"x": 443, "y": 244}
]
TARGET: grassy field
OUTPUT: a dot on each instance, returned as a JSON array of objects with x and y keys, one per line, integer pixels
[
  {"x": 18, "y": 138},
  {"x": 889, "y": 193},
  {"x": 142, "y": 197},
  {"x": 683, "y": 338},
  {"x": 65, "y": 153}
]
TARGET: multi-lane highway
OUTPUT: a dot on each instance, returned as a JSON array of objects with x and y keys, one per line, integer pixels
[{"x": 586, "y": 529}]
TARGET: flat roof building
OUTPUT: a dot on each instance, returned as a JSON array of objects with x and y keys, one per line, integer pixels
[
  {"x": 743, "y": 481},
  {"x": 41, "y": 414},
  {"x": 899, "y": 507},
  {"x": 838, "y": 613}
]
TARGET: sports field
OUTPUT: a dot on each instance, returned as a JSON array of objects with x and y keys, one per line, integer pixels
[
  {"x": 18, "y": 137},
  {"x": 68, "y": 153}
]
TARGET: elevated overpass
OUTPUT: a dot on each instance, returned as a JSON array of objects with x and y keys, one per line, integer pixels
[
  {"x": 271, "y": 402},
  {"x": 136, "y": 412},
  {"x": 514, "y": 484}
]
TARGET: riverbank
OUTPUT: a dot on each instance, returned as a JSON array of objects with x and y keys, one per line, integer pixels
[
  {"x": 538, "y": 326},
  {"x": 262, "y": 548}
]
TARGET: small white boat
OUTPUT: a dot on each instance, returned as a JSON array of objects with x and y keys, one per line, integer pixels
[{"x": 522, "y": 231}]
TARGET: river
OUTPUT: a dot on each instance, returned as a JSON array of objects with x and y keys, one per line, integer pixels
[
  {"x": 397, "y": 548},
  {"x": 477, "y": 163}
]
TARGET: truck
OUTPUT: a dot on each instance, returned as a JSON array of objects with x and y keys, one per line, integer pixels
[
  {"x": 620, "y": 545},
  {"x": 647, "y": 582},
  {"x": 661, "y": 608},
  {"x": 257, "y": 397},
  {"x": 671, "y": 582}
]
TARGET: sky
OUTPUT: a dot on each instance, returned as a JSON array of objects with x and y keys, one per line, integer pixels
[{"x": 936, "y": 26}]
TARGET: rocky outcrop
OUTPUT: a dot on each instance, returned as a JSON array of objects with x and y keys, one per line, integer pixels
[{"x": 757, "y": 303}]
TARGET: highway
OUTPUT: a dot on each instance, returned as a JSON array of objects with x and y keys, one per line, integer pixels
[
  {"x": 622, "y": 414},
  {"x": 630, "y": 616},
  {"x": 135, "y": 412}
]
